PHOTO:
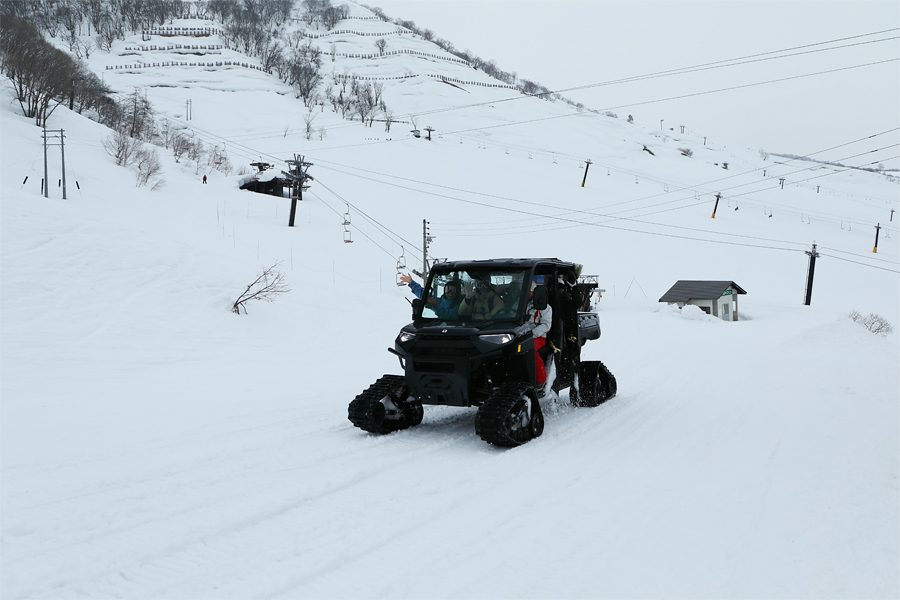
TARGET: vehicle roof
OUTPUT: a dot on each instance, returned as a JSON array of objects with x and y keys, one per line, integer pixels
[{"x": 499, "y": 263}]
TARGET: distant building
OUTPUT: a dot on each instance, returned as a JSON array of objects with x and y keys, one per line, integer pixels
[{"x": 716, "y": 298}]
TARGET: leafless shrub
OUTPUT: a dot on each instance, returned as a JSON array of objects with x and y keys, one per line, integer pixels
[
  {"x": 686, "y": 152},
  {"x": 267, "y": 285},
  {"x": 147, "y": 165},
  {"x": 121, "y": 147},
  {"x": 308, "y": 119},
  {"x": 874, "y": 323}
]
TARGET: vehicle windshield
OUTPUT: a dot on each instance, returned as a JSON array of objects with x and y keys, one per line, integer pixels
[{"x": 493, "y": 295}]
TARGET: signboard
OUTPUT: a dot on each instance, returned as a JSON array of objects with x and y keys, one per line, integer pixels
[{"x": 728, "y": 292}]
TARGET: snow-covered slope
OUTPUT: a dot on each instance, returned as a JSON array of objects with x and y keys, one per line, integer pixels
[{"x": 156, "y": 445}]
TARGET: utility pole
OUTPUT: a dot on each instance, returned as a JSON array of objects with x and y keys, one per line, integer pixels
[
  {"x": 813, "y": 255},
  {"x": 892, "y": 215},
  {"x": 660, "y": 124},
  {"x": 46, "y": 181},
  {"x": 61, "y": 134},
  {"x": 297, "y": 175},
  {"x": 587, "y": 165},
  {"x": 716, "y": 207},
  {"x": 877, "y": 231},
  {"x": 426, "y": 239},
  {"x": 62, "y": 149},
  {"x": 429, "y": 129}
]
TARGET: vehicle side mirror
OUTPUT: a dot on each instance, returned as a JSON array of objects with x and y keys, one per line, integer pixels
[
  {"x": 541, "y": 297},
  {"x": 415, "y": 307}
]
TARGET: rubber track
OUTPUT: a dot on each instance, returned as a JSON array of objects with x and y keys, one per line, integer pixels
[
  {"x": 367, "y": 413},
  {"x": 587, "y": 395},
  {"x": 490, "y": 421}
]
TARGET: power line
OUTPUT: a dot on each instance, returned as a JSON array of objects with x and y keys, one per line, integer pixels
[
  {"x": 573, "y": 221},
  {"x": 860, "y": 263},
  {"x": 592, "y": 213},
  {"x": 681, "y": 97},
  {"x": 681, "y": 70}
]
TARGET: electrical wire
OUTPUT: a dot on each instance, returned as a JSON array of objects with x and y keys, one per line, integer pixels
[
  {"x": 684, "y": 70},
  {"x": 680, "y": 97},
  {"x": 592, "y": 212},
  {"x": 856, "y": 262}
]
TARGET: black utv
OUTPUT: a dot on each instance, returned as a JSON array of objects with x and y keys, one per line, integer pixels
[{"x": 471, "y": 344}]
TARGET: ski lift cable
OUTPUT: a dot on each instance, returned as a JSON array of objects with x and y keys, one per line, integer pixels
[
  {"x": 680, "y": 97},
  {"x": 583, "y": 223},
  {"x": 732, "y": 62},
  {"x": 892, "y": 262},
  {"x": 692, "y": 69},
  {"x": 608, "y": 206},
  {"x": 860, "y": 263},
  {"x": 365, "y": 215},
  {"x": 542, "y": 216},
  {"x": 702, "y": 202},
  {"x": 368, "y": 237},
  {"x": 254, "y": 153}
]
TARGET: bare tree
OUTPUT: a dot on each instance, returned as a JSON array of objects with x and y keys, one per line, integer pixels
[
  {"x": 121, "y": 147},
  {"x": 180, "y": 145},
  {"x": 267, "y": 285},
  {"x": 137, "y": 115},
  {"x": 147, "y": 165},
  {"x": 40, "y": 74},
  {"x": 308, "y": 119},
  {"x": 874, "y": 323},
  {"x": 388, "y": 119},
  {"x": 381, "y": 44}
]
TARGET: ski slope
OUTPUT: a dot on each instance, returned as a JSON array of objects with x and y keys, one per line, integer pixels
[{"x": 155, "y": 445}]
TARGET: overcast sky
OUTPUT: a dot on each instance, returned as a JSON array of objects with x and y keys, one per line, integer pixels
[{"x": 568, "y": 43}]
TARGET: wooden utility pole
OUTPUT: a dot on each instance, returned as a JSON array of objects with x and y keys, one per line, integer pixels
[{"x": 877, "y": 231}]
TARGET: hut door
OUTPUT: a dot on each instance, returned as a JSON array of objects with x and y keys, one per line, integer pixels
[{"x": 726, "y": 311}]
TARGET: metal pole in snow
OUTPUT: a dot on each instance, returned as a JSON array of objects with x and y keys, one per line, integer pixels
[
  {"x": 716, "y": 207},
  {"x": 813, "y": 255},
  {"x": 46, "y": 181},
  {"x": 62, "y": 148},
  {"x": 587, "y": 165},
  {"x": 877, "y": 231}
]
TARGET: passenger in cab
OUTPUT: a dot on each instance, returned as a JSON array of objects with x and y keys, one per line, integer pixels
[
  {"x": 540, "y": 321},
  {"x": 482, "y": 302},
  {"x": 445, "y": 307}
]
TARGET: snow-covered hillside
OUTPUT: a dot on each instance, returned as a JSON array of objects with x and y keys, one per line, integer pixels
[{"x": 154, "y": 444}]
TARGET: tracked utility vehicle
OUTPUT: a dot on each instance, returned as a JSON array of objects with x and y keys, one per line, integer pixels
[{"x": 479, "y": 350}]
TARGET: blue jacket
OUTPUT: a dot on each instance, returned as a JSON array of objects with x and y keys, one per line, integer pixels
[{"x": 444, "y": 309}]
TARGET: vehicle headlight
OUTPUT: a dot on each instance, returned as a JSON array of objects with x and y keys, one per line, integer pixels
[
  {"x": 407, "y": 337},
  {"x": 497, "y": 338}
]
